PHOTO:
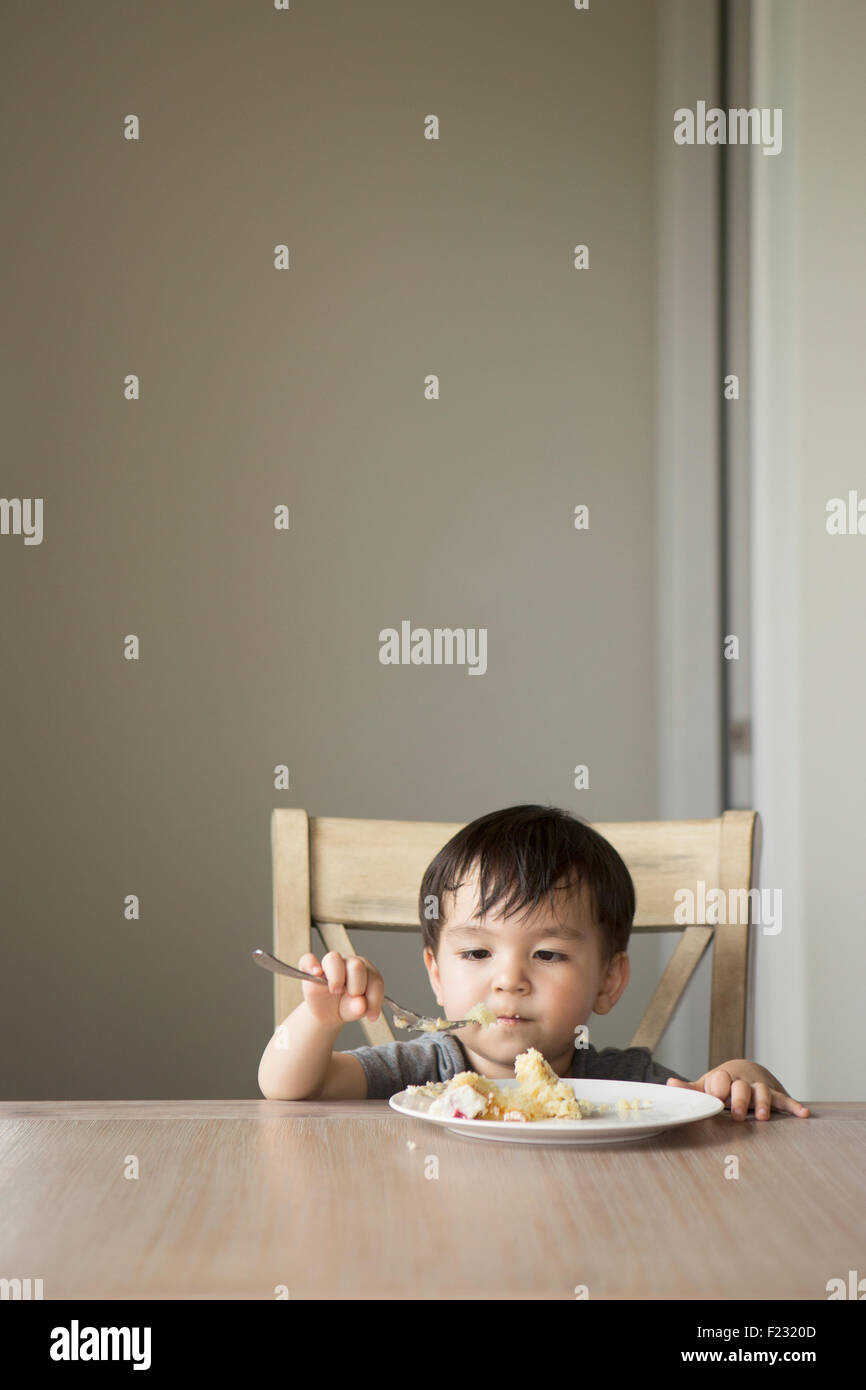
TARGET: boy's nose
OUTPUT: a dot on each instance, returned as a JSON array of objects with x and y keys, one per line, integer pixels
[{"x": 510, "y": 981}]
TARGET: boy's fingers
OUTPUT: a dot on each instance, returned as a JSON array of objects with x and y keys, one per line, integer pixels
[
  {"x": 353, "y": 1004},
  {"x": 713, "y": 1083},
  {"x": 782, "y": 1102},
  {"x": 363, "y": 981},
  {"x": 375, "y": 994},
  {"x": 740, "y": 1098},
  {"x": 335, "y": 970},
  {"x": 718, "y": 1083},
  {"x": 356, "y": 975},
  {"x": 763, "y": 1100},
  {"x": 352, "y": 1007}
]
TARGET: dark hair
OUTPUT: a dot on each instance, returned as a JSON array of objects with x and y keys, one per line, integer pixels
[{"x": 523, "y": 853}]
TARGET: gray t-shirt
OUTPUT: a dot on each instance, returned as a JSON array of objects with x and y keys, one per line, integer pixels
[{"x": 394, "y": 1066}]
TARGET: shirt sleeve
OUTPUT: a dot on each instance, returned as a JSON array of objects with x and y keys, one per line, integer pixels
[
  {"x": 630, "y": 1064},
  {"x": 392, "y": 1067}
]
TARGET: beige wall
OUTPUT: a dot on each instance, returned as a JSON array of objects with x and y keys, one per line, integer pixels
[{"x": 305, "y": 387}]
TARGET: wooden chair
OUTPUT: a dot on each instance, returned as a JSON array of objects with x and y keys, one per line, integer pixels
[{"x": 340, "y": 873}]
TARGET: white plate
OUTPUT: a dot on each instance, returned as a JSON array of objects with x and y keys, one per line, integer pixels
[{"x": 671, "y": 1106}]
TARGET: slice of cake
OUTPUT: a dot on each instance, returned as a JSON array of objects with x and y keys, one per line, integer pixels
[
  {"x": 539, "y": 1095},
  {"x": 467, "y": 1096}
]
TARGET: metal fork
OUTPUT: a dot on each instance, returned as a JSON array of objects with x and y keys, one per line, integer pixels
[{"x": 403, "y": 1018}]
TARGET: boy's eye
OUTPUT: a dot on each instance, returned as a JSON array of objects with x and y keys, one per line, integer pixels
[{"x": 482, "y": 951}]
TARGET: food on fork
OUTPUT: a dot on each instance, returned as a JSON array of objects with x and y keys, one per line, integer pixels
[
  {"x": 539, "y": 1095},
  {"x": 479, "y": 1013}
]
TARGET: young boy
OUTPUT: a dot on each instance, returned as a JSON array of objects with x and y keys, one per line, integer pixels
[{"x": 529, "y": 911}]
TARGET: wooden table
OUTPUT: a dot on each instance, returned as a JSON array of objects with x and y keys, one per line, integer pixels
[{"x": 234, "y": 1199}]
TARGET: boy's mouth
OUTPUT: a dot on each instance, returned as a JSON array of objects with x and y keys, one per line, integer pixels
[{"x": 511, "y": 1019}]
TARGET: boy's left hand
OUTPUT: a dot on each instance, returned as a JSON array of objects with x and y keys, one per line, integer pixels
[{"x": 739, "y": 1095}]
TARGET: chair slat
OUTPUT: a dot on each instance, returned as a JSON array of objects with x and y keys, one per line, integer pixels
[
  {"x": 669, "y": 990},
  {"x": 367, "y": 873},
  {"x": 731, "y": 948}
]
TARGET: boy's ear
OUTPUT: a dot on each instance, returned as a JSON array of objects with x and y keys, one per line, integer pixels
[
  {"x": 615, "y": 980},
  {"x": 433, "y": 972}
]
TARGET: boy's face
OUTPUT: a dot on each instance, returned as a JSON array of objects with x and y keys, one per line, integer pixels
[{"x": 545, "y": 967}]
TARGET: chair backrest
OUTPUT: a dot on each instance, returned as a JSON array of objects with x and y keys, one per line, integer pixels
[{"x": 338, "y": 873}]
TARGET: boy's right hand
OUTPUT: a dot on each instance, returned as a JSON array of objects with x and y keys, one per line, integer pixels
[{"x": 355, "y": 988}]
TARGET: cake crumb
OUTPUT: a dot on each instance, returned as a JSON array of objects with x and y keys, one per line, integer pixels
[{"x": 410, "y": 1144}]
